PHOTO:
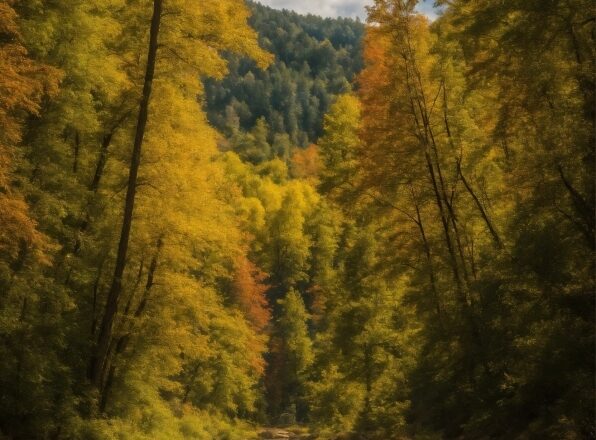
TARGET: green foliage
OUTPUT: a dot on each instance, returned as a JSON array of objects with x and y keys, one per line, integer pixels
[
  {"x": 462, "y": 128},
  {"x": 293, "y": 329},
  {"x": 291, "y": 357},
  {"x": 339, "y": 145},
  {"x": 425, "y": 271},
  {"x": 72, "y": 162},
  {"x": 193, "y": 424},
  {"x": 316, "y": 60},
  {"x": 362, "y": 345}
]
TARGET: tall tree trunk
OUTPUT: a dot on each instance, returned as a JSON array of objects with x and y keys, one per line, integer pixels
[
  {"x": 481, "y": 209},
  {"x": 111, "y": 308},
  {"x": 102, "y": 159},
  {"x": 121, "y": 343},
  {"x": 426, "y": 137},
  {"x": 429, "y": 261},
  {"x": 483, "y": 213}
]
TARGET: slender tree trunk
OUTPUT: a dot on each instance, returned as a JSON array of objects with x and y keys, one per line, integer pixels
[
  {"x": 422, "y": 125},
  {"x": 448, "y": 240},
  {"x": 105, "y": 334},
  {"x": 134, "y": 288},
  {"x": 95, "y": 295},
  {"x": 94, "y": 184},
  {"x": 483, "y": 213},
  {"x": 119, "y": 347},
  {"x": 583, "y": 209},
  {"x": 103, "y": 152},
  {"x": 431, "y": 269},
  {"x": 425, "y": 134}
]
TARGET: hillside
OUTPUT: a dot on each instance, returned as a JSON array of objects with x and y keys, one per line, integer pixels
[{"x": 315, "y": 60}]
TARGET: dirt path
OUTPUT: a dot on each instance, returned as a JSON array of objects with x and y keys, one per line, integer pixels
[{"x": 285, "y": 434}]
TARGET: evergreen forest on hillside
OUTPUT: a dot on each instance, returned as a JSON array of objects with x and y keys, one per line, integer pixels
[
  {"x": 265, "y": 112},
  {"x": 222, "y": 221}
]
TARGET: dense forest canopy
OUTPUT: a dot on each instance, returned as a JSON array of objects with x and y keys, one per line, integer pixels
[
  {"x": 380, "y": 231},
  {"x": 316, "y": 59}
]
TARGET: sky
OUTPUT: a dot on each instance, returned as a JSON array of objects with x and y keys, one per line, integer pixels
[{"x": 337, "y": 8}]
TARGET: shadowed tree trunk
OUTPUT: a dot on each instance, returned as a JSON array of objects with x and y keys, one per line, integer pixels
[
  {"x": 105, "y": 333},
  {"x": 119, "y": 346}
]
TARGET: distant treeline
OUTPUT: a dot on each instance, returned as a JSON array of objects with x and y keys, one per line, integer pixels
[{"x": 315, "y": 60}]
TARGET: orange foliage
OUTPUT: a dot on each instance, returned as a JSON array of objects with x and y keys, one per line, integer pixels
[
  {"x": 249, "y": 291},
  {"x": 378, "y": 118},
  {"x": 306, "y": 163},
  {"x": 390, "y": 144},
  {"x": 23, "y": 84}
]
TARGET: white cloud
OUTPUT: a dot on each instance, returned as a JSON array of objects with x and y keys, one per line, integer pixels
[
  {"x": 326, "y": 8},
  {"x": 336, "y": 8}
]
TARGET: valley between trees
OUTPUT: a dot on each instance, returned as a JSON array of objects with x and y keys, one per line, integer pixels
[{"x": 216, "y": 216}]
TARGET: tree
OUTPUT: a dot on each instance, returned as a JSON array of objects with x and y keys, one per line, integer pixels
[
  {"x": 73, "y": 167},
  {"x": 254, "y": 146},
  {"x": 447, "y": 170},
  {"x": 23, "y": 84},
  {"x": 249, "y": 291},
  {"x": 291, "y": 356},
  {"x": 306, "y": 163},
  {"x": 316, "y": 60},
  {"x": 425, "y": 271},
  {"x": 98, "y": 361},
  {"x": 339, "y": 144}
]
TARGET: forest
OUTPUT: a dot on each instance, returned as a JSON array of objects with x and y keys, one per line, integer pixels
[
  {"x": 264, "y": 113},
  {"x": 222, "y": 221}
]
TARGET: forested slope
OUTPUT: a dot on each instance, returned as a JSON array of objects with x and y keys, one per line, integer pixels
[
  {"x": 173, "y": 269},
  {"x": 316, "y": 59}
]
